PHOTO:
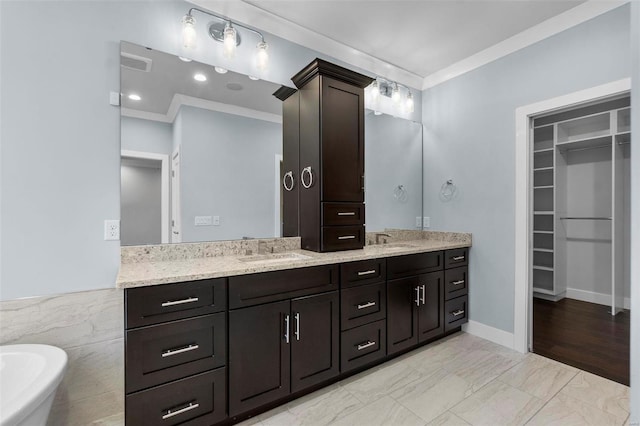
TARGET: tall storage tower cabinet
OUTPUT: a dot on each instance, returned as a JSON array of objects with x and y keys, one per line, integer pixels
[
  {"x": 329, "y": 177},
  {"x": 580, "y": 203}
]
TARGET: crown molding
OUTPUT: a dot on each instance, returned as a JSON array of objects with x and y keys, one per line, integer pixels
[{"x": 543, "y": 30}]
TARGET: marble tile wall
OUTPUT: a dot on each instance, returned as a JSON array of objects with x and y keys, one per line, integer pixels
[{"x": 89, "y": 327}]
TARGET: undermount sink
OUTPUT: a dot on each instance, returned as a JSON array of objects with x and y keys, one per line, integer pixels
[
  {"x": 273, "y": 258},
  {"x": 395, "y": 246}
]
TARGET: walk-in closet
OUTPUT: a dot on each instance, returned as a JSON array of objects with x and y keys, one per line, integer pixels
[{"x": 580, "y": 236}]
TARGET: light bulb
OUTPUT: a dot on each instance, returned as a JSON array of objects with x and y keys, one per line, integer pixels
[
  {"x": 262, "y": 56},
  {"x": 375, "y": 91},
  {"x": 409, "y": 103},
  {"x": 229, "y": 37},
  {"x": 199, "y": 77},
  {"x": 189, "y": 31},
  {"x": 395, "y": 95},
  {"x": 134, "y": 97}
]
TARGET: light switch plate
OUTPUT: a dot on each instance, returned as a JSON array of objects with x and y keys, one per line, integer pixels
[
  {"x": 202, "y": 221},
  {"x": 418, "y": 222},
  {"x": 426, "y": 222},
  {"x": 216, "y": 221},
  {"x": 114, "y": 98}
]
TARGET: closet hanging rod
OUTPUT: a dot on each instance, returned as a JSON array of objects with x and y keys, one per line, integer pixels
[
  {"x": 585, "y": 218},
  {"x": 563, "y": 149}
]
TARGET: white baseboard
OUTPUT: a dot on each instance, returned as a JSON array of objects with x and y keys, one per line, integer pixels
[
  {"x": 593, "y": 297},
  {"x": 495, "y": 335}
]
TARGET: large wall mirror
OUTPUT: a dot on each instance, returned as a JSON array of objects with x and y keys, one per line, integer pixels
[{"x": 202, "y": 151}]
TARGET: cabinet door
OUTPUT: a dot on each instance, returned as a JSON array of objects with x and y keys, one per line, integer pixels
[
  {"x": 402, "y": 314},
  {"x": 290, "y": 173},
  {"x": 259, "y": 356},
  {"x": 314, "y": 339},
  {"x": 430, "y": 312},
  {"x": 342, "y": 140}
]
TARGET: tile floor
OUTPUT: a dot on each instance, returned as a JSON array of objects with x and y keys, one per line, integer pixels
[{"x": 461, "y": 380}]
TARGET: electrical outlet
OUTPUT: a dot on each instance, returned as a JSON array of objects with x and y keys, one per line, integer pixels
[
  {"x": 203, "y": 221},
  {"x": 216, "y": 221},
  {"x": 111, "y": 230},
  {"x": 418, "y": 222},
  {"x": 426, "y": 222}
]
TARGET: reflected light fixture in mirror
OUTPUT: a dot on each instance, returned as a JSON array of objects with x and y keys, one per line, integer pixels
[
  {"x": 227, "y": 35},
  {"x": 390, "y": 89}
]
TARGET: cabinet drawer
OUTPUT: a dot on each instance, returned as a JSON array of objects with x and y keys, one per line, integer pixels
[
  {"x": 456, "y": 282},
  {"x": 199, "y": 400},
  {"x": 335, "y": 238},
  {"x": 363, "y": 345},
  {"x": 456, "y": 257},
  {"x": 362, "y": 305},
  {"x": 168, "y": 302},
  {"x": 255, "y": 289},
  {"x": 160, "y": 353},
  {"x": 455, "y": 312},
  {"x": 414, "y": 264},
  {"x": 361, "y": 273},
  {"x": 342, "y": 214}
]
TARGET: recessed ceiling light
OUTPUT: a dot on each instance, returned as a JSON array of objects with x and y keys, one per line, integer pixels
[
  {"x": 200, "y": 77},
  {"x": 254, "y": 78},
  {"x": 220, "y": 70},
  {"x": 134, "y": 97},
  {"x": 183, "y": 59},
  {"x": 377, "y": 113}
]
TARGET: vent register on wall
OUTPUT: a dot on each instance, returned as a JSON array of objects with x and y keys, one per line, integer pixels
[
  {"x": 323, "y": 157},
  {"x": 579, "y": 188}
]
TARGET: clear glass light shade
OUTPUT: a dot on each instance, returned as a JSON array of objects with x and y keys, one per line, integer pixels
[
  {"x": 189, "y": 32},
  {"x": 395, "y": 94},
  {"x": 262, "y": 56},
  {"x": 375, "y": 91},
  {"x": 409, "y": 103},
  {"x": 229, "y": 50}
]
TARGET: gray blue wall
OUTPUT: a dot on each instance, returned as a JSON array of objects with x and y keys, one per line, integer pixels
[
  {"x": 470, "y": 134},
  {"x": 146, "y": 135}
]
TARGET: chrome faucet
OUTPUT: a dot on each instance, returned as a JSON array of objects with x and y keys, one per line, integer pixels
[{"x": 381, "y": 234}]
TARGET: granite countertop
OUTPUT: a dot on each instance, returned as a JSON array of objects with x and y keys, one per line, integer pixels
[{"x": 141, "y": 266}]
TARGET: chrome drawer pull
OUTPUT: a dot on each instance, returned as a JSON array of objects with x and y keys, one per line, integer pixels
[
  {"x": 424, "y": 294},
  {"x": 366, "y": 345},
  {"x": 417, "y": 296},
  {"x": 456, "y": 258},
  {"x": 369, "y": 272},
  {"x": 346, "y": 213},
  {"x": 172, "y": 352},
  {"x": 367, "y": 305},
  {"x": 457, "y": 282},
  {"x": 347, "y": 237},
  {"x": 458, "y": 313},
  {"x": 286, "y": 327},
  {"x": 179, "y": 302},
  {"x": 297, "y": 332},
  {"x": 189, "y": 407}
]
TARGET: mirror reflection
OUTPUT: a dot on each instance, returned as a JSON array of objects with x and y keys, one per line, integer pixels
[{"x": 202, "y": 152}]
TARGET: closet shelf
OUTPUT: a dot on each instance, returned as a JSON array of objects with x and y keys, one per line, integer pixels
[
  {"x": 543, "y": 212},
  {"x": 542, "y": 290},
  {"x": 543, "y": 187},
  {"x": 542, "y": 268},
  {"x": 588, "y": 143},
  {"x": 585, "y": 218},
  {"x": 539, "y": 169},
  {"x": 542, "y": 150},
  {"x": 543, "y": 232},
  {"x": 544, "y": 250}
]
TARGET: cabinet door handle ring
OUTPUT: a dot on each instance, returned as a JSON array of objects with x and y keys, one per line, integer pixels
[
  {"x": 308, "y": 171},
  {"x": 457, "y": 313},
  {"x": 289, "y": 175},
  {"x": 369, "y": 272},
  {"x": 366, "y": 345},
  {"x": 367, "y": 305},
  {"x": 286, "y": 328},
  {"x": 179, "y": 302},
  {"x": 297, "y": 332},
  {"x": 457, "y": 258},
  {"x": 188, "y": 348},
  {"x": 171, "y": 413},
  {"x": 457, "y": 282}
]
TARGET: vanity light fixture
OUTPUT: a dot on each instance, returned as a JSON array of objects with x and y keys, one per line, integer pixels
[
  {"x": 391, "y": 89},
  {"x": 134, "y": 97},
  {"x": 200, "y": 77},
  {"x": 227, "y": 35}
]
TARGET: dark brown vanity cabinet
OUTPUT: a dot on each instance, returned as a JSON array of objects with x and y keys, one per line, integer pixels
[
  {"x": 175, "y": 353},
  {"x": 415, "y": 301},
  {"x": 284, "y": 346},
  {"x": 456, "y": 278},
  {"x": 330, "y": 148}
]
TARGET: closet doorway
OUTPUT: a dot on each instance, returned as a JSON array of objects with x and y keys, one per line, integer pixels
[{"x": 579, "y": 266}]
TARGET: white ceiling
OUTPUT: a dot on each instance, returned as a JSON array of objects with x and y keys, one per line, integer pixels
[{"x": 421, "y": 37}]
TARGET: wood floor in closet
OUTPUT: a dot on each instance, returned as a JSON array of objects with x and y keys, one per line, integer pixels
[{"x": 583, "y": 335}]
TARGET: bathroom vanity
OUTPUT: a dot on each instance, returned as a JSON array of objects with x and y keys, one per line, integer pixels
[{"x": 218, "y": 339}]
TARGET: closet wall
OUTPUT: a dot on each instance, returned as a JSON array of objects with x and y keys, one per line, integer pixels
[{"x": 581, "y": 204}]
